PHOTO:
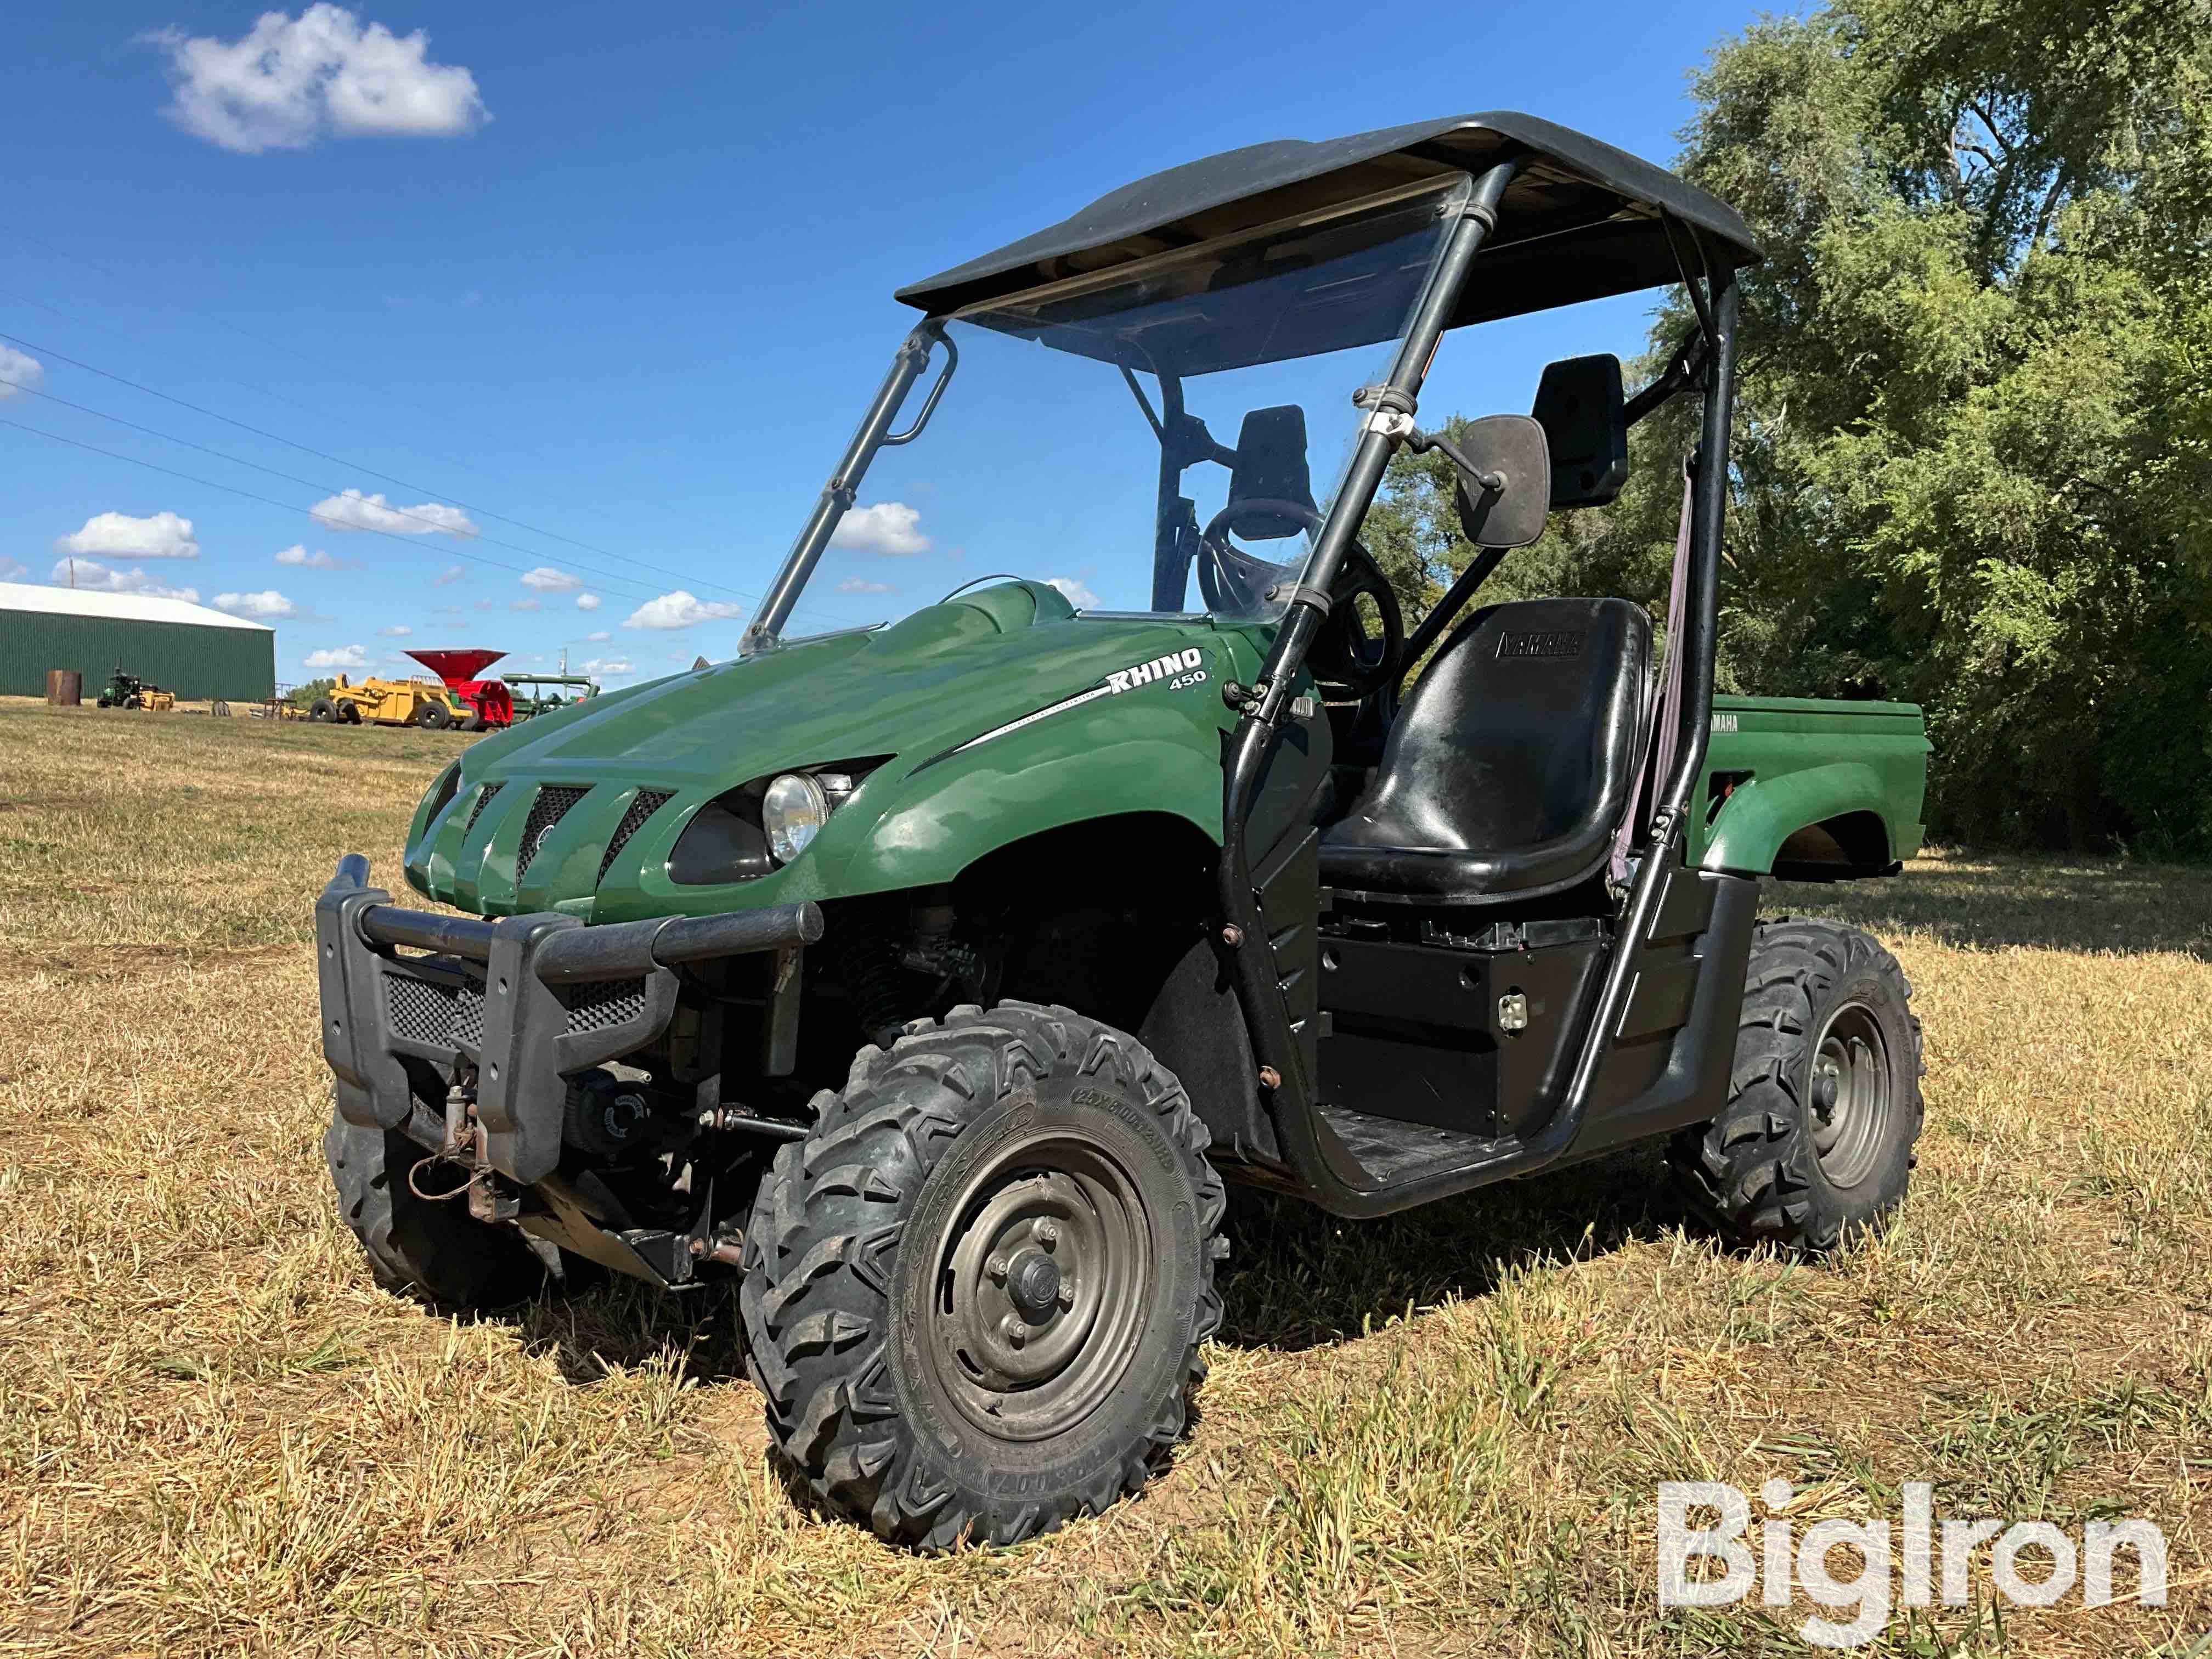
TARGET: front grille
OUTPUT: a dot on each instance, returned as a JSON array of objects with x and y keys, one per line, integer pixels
[
  {"x": 648, "y": 802},
  {"x": 468, "y": 1018},
  {"x": 483, "y": 799},
  {"x": 453, "y": 1017},
  {"x": 600, "y": 1005},
  {"x": 549, "y": 808},
  {"x": 421, "y": 1012}
]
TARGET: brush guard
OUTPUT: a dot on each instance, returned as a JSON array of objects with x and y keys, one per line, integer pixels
[{"x": 524, "y": 1000}]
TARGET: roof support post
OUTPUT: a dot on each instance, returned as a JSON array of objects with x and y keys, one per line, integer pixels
[
  {"x": 837, "y": 496},
  {"x": 1256, "y": 731}
]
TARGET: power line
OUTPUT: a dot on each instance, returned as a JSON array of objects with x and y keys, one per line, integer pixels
[
  {"x": 270, "y": 500},
  {"x": 221, "y": 374},
  {"x": 338, "y": 460},
  {"x": 608, "y": 578}
]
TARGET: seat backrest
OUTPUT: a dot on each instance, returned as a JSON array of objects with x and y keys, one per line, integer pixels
[
  {"x": 1522, "y": 731},
  {"x": 1271, "y": 466}
]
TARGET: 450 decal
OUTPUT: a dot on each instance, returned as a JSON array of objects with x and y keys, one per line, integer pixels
[{"x": 1178, "y": 668}]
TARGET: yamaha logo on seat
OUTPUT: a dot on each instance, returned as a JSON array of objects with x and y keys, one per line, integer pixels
[{"x": 1561, "y": 643}]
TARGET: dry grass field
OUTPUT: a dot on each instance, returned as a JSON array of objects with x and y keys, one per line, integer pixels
[{"x": 1436, "y": 1435}]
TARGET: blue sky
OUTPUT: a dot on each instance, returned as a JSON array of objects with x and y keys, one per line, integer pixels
[{"x": 615, "y": 291}]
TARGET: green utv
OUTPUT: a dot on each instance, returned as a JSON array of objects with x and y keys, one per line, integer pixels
[{"x": 931, "y": 978}]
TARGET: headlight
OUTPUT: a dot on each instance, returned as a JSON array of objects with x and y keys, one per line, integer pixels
[{"x": 792, "y": 813}]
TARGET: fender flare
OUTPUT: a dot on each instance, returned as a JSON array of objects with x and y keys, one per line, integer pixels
[
  {"x": 1765, "y": 812},
  {"x": 932, "y": 834}
]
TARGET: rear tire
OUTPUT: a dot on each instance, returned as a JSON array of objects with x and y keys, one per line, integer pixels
[
  {"x": 322, "y": 709},
  {"x": 974, "y": 1297},
  {"x": 1814, "y": 1148},
  {"x": 432, "y": 1250},
  {"x": 434, "y": 717}
]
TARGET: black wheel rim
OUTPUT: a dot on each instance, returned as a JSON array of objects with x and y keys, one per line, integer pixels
[
  {"x": 1041, "y": 1287},
  {"x": 1850, "y": 1095}
]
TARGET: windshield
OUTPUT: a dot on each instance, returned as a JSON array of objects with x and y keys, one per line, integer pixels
[{"x": 1165, "y": 439}]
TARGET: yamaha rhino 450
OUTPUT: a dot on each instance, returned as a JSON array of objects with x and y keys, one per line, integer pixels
[{"x": 929, "y": 979}]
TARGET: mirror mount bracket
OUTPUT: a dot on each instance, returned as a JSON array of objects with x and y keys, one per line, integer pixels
[{"x": 1422, "y": 442}]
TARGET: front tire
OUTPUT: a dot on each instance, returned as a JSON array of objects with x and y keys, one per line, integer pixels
[
  {"x": 431, "y": 1249},
  {"x": 974, "y": 1297},
  {"x": 1814, "y": 1148}
]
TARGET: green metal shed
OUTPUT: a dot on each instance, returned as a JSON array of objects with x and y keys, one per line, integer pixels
[{"x": 184, "y": 648}]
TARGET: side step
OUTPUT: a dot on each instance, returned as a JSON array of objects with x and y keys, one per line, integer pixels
[{"x": 1390, "y": 1151}]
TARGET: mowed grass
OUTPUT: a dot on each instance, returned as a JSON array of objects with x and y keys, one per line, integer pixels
[{"x": 1440, "y": 1434}]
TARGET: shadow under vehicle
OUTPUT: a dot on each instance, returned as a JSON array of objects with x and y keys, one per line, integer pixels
[{"x": 931, "y": 978}]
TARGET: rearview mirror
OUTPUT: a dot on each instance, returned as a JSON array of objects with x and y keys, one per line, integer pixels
[
  {"x": 1583, "y": 410},
  {"x": 1504, "y": 480}
]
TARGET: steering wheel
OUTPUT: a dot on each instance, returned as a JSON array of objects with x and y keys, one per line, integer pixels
[
  {"x": 1344, "y": 656},
  {"x": 1228, "y": 576}
]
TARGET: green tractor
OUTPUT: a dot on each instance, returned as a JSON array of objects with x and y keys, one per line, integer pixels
[
  {"x": 930, "y": 979},
  {"x": 125, "y": 690}
]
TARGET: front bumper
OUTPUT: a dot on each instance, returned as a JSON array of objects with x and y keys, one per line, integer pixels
[{"x": 522, "y": 1000}]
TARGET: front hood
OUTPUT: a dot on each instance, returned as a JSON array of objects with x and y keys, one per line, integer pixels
[{"x": 935, "y": 681}]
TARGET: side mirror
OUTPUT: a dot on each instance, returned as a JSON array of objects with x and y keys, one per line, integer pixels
[
  {"x": 1583, "y": 412},
  {"x": 1504, "y": 480}
]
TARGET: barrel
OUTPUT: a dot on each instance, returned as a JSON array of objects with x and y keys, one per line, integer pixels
[{"x": 65, "y": 687}]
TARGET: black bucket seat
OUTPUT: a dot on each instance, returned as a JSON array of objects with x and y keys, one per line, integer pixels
[{"x": 1511, "y": 764}]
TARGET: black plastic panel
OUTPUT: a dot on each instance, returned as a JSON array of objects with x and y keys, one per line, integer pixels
[
  {"x": 1289, "y": 886},
  {"x": 1414, "y": 1032}
]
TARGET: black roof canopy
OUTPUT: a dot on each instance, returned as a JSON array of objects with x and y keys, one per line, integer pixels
[{"x": 1580, "y": 220}]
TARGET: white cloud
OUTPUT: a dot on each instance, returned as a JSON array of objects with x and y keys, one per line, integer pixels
[
  {"x": 162, "y": 536},
  {"x": 354, "y": 511},
  {"x": 522, "y": 604},
  {"x": 19, "y": 373},
  {"x": 610, "y": 666},
  {"x": 887, "y": 528},
  {"x": 297, "y": 556},
  {"x": 14, "y": 570},
  {"x": 448, "y": 576},
  {"x": 546, "y": 580},
  {"x": 267, "y": 605},
  {"x": 1075, "y": 593},
  {"x": 339, "y": 656},
  {"x": 289, "y": 81},
  {"x": 862, "y": 585},
  {"x": 397, "y": 631},
  {"x": 96, "y": 578},
  {"x": 600, "y": 638},
  {"x": 587, "y": 602},
  {"x": 680, "y": 610}
]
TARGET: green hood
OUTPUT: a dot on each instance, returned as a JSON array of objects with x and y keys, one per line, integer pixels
[{"x": 991, "y": 717}]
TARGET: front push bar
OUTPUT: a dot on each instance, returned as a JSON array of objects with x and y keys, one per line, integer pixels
[{"x": 524, "y": 999}]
